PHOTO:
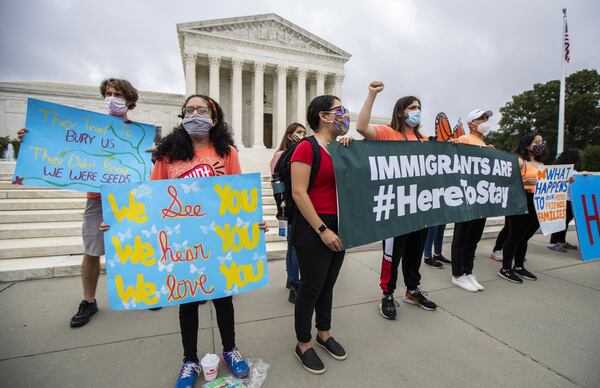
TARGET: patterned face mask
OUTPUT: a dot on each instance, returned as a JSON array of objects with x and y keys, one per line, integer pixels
[
  {"x": 342, "y": 121},
  {"x": 538, "y": 149}
]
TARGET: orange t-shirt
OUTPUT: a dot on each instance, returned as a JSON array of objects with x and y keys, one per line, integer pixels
[
  {"x": 531, "y": 171},
  {"x": 472, "y": 140},
  {"x": 206, "y": 162},
  {"x": 385, "y": 132}
]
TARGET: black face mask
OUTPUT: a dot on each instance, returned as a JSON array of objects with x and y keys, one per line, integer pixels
[{"x": 538, "y": 149}]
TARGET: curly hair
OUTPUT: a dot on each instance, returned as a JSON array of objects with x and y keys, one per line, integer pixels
[
  {"x": 523, "y": 147},
  {"x": 178, "y": 144},
  {"x": 129, "y": 92}
]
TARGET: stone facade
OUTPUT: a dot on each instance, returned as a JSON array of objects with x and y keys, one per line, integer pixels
[{"x": 263, "y": 70}]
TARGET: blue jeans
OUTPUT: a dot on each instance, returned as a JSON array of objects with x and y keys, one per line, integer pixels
[
  {"x": 291, "y": 260},
  {"x": 435, "y": 237}
]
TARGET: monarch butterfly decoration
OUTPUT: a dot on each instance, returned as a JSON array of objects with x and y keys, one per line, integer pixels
[
  {"x": 458, "y": 130},
  {"x": 443, "y": 130}
]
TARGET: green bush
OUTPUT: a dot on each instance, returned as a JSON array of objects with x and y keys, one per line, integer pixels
[{"x": 591, "y": 158}]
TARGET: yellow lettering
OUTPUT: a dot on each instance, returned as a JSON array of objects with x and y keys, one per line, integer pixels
[
  {"x": 135, "y": 212},
  {"x": 141, "y": 292},
  {"x": 140, "y": 253},
  {"x": 236, "y": 238},
  {"x": 234, "y": 201},
  {"x": 241, "y": 275}
]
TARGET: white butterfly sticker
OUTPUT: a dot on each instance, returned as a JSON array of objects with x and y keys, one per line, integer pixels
[
  {"x": 150, "y": 232},
  {"x": 129, "y": 305},
  {"x": 194, "y": 269},
  {"x": 256, "y": 257},
  {"x": 222, "y": 260},
  {"x": 113, "y": 262},
  {"x": 232, "y": 291},
  {"x": 170, "y": 231},
  {"x": 164, "y": 290},
  {"x": 162, "y": 267},
  {"x": 182, "y": 246},
  {"x": 191, "y": 187},
  {"x": 206, "y": 229},
  {"x": 142, "y": 191},
  {"x": 240, "y": 222},
  {"x": 124, "y": 236}
]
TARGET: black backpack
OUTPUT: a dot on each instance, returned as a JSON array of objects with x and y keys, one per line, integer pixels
[{"x": 283, "y": 169}]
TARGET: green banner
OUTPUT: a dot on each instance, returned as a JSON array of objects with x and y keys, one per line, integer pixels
[{"x": 390, "y": 188}]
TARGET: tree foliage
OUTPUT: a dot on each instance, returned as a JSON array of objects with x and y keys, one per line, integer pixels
[{"x": 536, "y": 110}]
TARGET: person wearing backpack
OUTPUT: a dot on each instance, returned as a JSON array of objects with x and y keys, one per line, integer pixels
[
  {"x": 315, "y": 227},
  {"x": 293, "y": 134}
]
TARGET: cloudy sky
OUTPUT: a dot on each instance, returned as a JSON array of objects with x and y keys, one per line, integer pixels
[{"x": 455, "y": 55}]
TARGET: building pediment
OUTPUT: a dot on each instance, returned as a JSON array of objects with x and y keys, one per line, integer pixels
[{"x": 269, "y": 29}]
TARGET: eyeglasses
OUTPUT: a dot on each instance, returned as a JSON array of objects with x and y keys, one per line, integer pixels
[
  {"x": 339, "y": 111},
  {"x": 202, "y": 110}
]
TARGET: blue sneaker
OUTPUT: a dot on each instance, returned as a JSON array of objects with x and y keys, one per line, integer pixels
[
  {"x": 236, "y": 363},
  {"x": 187, "y": 377}
]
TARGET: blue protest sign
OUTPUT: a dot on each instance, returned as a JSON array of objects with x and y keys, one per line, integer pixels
[
  {"x": 77, "y": 149},
  {"x": 585, "y": 194},
  {"x": 182, "y": 240}
]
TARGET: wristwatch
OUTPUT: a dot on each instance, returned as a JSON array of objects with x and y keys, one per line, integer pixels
[{"x": 322, "y": 228}]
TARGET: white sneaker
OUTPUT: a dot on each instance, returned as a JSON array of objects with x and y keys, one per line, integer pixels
[
  {"x": 474, "y": 282},
  {"x": 496, "y": 255},
  {"x": 464, "y": 283}
]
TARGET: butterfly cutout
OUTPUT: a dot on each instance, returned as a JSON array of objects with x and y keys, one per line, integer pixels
[
  {"x": 169, "y": 231},
  {"x": 162, "y": 266},
  {"x": 191, "y": 187},
  {"x": 194, "y": 269},
  {"x": 129, "y": 305},
  {"x": 113, "y": 262},
  {"x": 180, "y": 247},
  {"x": 206, "y": 229},
  {"x": 150, "y": 232},
  {"x": 256, "y": 257},
  {"x": 143, "y": 191},
  {"x": 240, "y": 222},
  {"x": 222, "y": 260},
  {"x": 124, "y": 236},
  {"x": 232, "y": 291},
  {"x": 164, "y": 290}
]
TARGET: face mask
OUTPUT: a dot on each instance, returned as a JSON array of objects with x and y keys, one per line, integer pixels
[
  {"x": 342, "y": 122},
  {"x": 116, "y": 106},
  {"x": 296, "y": 137},
  {"x": 538, "y": 149},
  {"x": 483, "y": 128},
  {"x": 413, "y": 119},
  {"x": 197, "y": 126}
]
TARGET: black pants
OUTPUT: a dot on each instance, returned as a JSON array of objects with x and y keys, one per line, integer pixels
[
  {"x": 501, "y": 239},
  {"x": 464, "y": 243},
  {"x": 521, "y": 228},
  {"x": 407, "y": 248},
  {"x": 188, "y": 322},
  {"x": 319, "y": 269},
  {"x": 561, "y": 237}
]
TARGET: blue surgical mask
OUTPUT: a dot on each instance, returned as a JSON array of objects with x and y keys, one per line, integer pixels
[
  {"x": 413, "y": 119},
  {"x": 197, "y": 126}
]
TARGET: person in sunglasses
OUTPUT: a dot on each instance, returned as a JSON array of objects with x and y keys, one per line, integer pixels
[
  {"x": 318, "y": 247},
  {"x": 408, "y": 248}
]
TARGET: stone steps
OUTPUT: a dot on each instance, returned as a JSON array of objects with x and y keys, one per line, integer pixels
[
  {"x": 39, "y": 194},
  {"x": 30, "y": 216},
  {"x": 42, "y": 204}
]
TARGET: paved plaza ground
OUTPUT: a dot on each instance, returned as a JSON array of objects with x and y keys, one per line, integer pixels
[{"x": 538, "y": 334}]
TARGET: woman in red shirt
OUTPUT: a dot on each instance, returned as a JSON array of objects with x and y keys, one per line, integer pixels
[
  {"x": 408, "y": 248},
  {"x": 317, "y": 244}
]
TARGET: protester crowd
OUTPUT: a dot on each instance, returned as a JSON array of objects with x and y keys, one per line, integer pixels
[{"x": 307, "y": 212}]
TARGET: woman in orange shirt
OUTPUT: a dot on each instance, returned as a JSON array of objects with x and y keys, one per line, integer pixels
[
  {"x": 408, "y": 248},
  {"x": 522, "y": 227}
]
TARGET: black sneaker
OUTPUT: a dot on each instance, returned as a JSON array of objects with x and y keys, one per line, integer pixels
[
  {"x": 333, "y": 347},
  {"x": 84, "y": 313},
  {"x": 310, "y": 361},
  {"x": 292, "y": 296},
  {"x": 433, "y": 263},
  {"x": 387, "y": 307},
  {"x": 288, "y": 284},
  {"x": 417, "y": 297},
  {"x": 509, "y": 275},
  {"x": 441, "y": 258},
  {"x": 522, "y": 272}
]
